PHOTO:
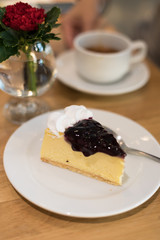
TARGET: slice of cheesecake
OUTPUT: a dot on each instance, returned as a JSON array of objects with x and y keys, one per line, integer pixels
[{"x": 84, "y": 147}]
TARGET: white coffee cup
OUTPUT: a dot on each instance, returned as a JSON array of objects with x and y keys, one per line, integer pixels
[{"x": 106, "y": 67}]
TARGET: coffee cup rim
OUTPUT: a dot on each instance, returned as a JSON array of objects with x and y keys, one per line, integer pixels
[{"x": 99, "y": 32}]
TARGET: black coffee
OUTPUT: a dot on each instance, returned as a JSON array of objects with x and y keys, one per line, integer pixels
[{"x": 102, "y": 49}]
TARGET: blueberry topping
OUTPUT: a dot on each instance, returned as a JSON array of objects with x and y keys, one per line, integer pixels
[{"x": 89, "y": 136}]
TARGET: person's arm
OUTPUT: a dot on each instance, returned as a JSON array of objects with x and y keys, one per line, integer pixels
[{"x": 80, "y": 18}]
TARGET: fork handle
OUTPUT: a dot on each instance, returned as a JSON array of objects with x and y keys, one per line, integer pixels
[{"x": 143, "y": 154}]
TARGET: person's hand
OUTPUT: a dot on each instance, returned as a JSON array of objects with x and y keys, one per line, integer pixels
[{"x": 80, "y": 18}]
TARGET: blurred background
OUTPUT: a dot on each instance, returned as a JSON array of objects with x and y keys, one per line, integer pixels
[{"x": 139, "y": 19}]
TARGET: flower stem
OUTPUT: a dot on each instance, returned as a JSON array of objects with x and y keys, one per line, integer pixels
[{"x": 31, "y": 71}]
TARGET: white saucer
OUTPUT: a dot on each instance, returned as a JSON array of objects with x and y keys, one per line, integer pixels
[{"x": 136, "y": 79}]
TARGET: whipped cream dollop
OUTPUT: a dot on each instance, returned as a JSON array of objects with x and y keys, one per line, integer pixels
[{"x": 59, "y": 121}]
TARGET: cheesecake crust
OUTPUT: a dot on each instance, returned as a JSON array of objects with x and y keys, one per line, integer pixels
[{"x": 73, "y": 169}]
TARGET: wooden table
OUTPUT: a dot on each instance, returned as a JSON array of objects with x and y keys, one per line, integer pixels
[{"x": 21, "y": 220}]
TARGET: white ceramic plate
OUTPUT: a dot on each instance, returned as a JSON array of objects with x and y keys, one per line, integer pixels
[
  {"x": 68, "y": 193},
  {"x": 136, "y": 79}
]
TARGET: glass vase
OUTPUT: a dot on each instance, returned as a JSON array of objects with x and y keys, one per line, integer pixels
[{"x": 26, "y": 77}]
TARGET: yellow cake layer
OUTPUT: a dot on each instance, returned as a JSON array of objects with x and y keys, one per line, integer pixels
[{"x": 57, "y": 151}]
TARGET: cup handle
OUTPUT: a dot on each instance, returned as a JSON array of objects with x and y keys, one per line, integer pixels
[{"x": 138, "y": 51}]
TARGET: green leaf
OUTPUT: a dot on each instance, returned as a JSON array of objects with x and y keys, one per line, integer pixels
[
  {"x": 2, "y": 12},
  {"x": 43, "y": 29},
  {"x": 1, "y": 29},
  {"x": 50, "y": 36},
  {"x": 3, "y": 25},
  {"x": 52, "y": 15},
  {"x": 56, "y": 25},
  {"x": 6, "y": 52},
  {"x": 57, "y": 38},
  {"x": 9, "y": 38}
]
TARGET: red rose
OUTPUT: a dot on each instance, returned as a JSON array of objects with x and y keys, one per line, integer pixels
[{"x": 22, "y": 16}]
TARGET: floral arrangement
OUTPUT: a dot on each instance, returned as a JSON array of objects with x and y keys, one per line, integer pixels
[{"x": 22, "y": 25}]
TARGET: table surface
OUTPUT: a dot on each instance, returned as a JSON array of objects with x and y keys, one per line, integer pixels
[{"x": 20, "y": 219}]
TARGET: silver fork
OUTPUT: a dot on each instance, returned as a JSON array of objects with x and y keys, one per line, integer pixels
[{"x": 131, "y": 150}]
